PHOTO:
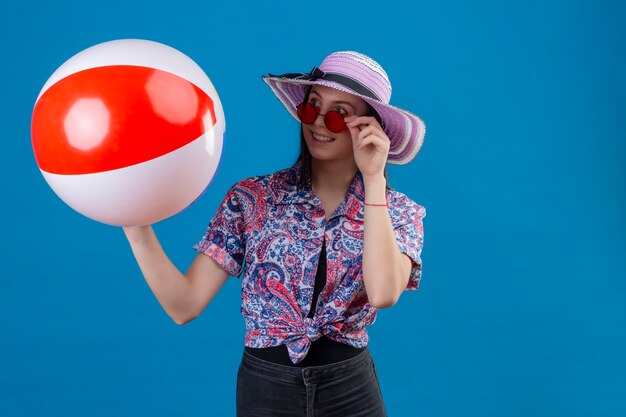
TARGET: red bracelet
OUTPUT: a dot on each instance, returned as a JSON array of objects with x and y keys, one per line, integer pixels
[{"x": 375, "y": 205}]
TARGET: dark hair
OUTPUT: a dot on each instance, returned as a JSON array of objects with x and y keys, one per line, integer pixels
[{"x": 305, "y": 155}]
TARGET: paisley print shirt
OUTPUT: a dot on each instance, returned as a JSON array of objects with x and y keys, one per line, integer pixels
[{"x": 274, "y": 230}]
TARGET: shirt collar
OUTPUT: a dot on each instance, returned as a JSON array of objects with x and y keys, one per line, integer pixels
[{"x": 286, "y": 191}]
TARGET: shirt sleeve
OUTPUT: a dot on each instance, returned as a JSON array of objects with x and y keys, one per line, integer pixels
[
  {"x": 410, "y": 239},
  {"x": 224, "y": 238}
]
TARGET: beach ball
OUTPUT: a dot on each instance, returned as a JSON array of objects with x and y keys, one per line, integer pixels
[{"x": 128, "y": 132}]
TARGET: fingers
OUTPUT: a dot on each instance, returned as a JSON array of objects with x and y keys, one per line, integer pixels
[
  {"x": 361, "y": 121},
  {"x": 370, "y": 140},
  {"x": 379, "y": 143},
  {"x": 369, "y": 130},
  {"x": 366, "y": 130},
  {"x": 354, "y": 130}
]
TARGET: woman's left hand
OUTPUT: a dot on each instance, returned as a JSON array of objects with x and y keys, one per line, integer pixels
[{"x": 370, "y": 145}]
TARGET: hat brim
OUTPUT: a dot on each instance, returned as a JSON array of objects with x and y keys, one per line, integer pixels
[{"x": 405, "y": 130}]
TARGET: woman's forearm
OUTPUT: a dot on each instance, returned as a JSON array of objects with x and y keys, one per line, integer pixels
[
  {"x": 171, "y": 288},
  {"x": 382, "y": 260}
]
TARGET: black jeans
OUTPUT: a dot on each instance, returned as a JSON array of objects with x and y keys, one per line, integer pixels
[{"x": 349, "y": 388}]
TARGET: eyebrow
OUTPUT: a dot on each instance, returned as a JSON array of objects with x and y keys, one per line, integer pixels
[{"x": 336, "y": 102}]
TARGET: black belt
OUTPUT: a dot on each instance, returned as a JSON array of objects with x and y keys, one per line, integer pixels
[{"x": 323, "y": 351}]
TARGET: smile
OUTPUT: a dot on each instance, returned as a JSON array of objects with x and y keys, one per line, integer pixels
[{"x": 323, "y": 139}]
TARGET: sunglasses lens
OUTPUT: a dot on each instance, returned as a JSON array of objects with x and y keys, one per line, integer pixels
[
  {"x": 306, "y": 113},
  {"x": 334, "y": 121}
]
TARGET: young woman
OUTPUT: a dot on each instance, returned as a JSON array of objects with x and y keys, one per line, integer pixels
[{"x": 325, "y": 244}]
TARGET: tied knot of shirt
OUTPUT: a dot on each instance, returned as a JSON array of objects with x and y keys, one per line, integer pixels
[
  {"x": 311, "y": 330},
  {"x": 307, "y": 333}
]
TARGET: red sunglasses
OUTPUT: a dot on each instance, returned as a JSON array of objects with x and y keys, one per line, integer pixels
[{"x": 334, "y": 121}]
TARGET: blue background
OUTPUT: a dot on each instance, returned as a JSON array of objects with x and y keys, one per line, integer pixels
[{"x": 522, "y": 305}]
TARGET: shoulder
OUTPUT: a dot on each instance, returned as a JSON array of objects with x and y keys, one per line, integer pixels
[
  {"x": 266, "y": 186},
  {"x": 403, "y": 209}
]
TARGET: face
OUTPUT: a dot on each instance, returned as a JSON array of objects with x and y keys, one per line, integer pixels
[{"x": 322, "y": 143}]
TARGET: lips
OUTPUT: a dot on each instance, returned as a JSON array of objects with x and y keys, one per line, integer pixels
[{"x": 321, "y": 138}]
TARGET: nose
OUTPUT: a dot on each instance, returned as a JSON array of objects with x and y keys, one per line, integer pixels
[{"x": 319, "y": 120}]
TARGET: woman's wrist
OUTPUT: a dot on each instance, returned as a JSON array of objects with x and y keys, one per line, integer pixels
[
  {"x": 375, "y": 189},
  {"x": 373, "y": 179},
  {"x": 137, "y": 233}
]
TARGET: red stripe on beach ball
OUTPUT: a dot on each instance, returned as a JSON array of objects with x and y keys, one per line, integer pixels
[{"x": 111, "y": 117}]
